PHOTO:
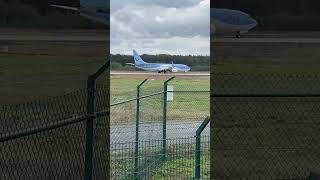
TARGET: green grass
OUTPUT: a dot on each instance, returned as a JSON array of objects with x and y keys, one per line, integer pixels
[
  {"x": 182, "y": 168},
  {"x": 185, "y": 106},
  {"x": 180, "y": 163},
  {"x": 125, "y": 87},
  {"x": 29, "y": 77}
]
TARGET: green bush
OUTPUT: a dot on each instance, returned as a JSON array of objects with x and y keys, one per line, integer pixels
[
  {"x": 115, "y": 66},
  {"x": 290, "y": 22}
]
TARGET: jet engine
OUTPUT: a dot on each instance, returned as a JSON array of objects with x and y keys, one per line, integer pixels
[{"x": 174, "y": 70}]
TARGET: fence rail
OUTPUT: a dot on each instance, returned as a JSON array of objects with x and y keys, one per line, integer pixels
[{"x": 31, "y": 131}]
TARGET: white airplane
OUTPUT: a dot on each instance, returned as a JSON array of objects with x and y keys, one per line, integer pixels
[
  {"x": 97, "y": 10},
  {"x": 231, "y": 21},
  {"x": 158, "y": 67}
]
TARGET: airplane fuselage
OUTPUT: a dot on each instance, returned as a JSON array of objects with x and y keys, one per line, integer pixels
[
  {"x": 231, "y": 21},
  {"x": 158, "y": 67}
]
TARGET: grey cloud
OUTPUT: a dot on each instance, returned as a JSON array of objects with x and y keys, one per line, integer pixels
[
  {"x": 164, "y": 22},
  {"x": 118, "y": 4},
  {"x": 158, "y": 22}
]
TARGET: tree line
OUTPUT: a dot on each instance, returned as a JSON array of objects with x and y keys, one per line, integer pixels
[{"x": 197, "y": 63}]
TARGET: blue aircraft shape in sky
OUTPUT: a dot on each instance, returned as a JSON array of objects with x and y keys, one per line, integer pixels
[
  {"x": 158, "y": 67},
  {"x": 97, "y": 10},
  {"x": 231, "y": 21}
]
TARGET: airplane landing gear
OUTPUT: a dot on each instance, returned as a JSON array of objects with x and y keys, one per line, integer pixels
[{"x": 238, "y": 35}]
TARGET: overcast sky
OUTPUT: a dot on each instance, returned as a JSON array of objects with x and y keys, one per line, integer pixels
[{"x": 179, "y": 27}]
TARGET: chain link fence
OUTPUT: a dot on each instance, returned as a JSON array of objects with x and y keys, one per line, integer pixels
[
  {"x": 50, "y": 138},
  {"x": 153, "y": 136},
  {"x": 265, "y": 126}
]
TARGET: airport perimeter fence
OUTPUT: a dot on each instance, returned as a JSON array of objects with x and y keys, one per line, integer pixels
[
  {"x": 153, "y": 134},
  {"x": 265, "y": 126},
  {"x": 65, "y": 137}
]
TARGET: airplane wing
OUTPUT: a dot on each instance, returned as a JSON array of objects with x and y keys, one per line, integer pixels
[
  {"x": 100, "y": 16},
  {"x": 66, "y": 7},
  {"x": 166, "y": 67},
  {"x": 169, "y": 67}
]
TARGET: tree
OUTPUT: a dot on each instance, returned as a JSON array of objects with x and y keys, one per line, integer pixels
[{"x": 42, "y": 6}]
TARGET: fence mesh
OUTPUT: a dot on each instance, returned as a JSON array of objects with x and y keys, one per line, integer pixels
[
  {"x": 180, "y": 162},
  {"x": 267, "y": 129},
  {"x": 149, "y": 161},
  {"x": 46, "y": 139},
  {"x": 229, "y": 83},
  {"x": 52, "y": 154}
]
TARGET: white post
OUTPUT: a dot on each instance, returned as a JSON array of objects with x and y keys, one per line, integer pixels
[{"x": 170, "y": 93}]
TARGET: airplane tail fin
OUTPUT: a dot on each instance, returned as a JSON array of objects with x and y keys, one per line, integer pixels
[{"x": 137, "y": 58}]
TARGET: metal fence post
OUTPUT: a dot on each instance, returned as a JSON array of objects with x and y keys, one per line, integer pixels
[
  {"x": 90, "y": 118},
  {"x": 136, "y": 156},
  {"x": 89, "y": 128},
  {"x": 164, "y": 128},
  {"x": 198, "y": 148}
]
